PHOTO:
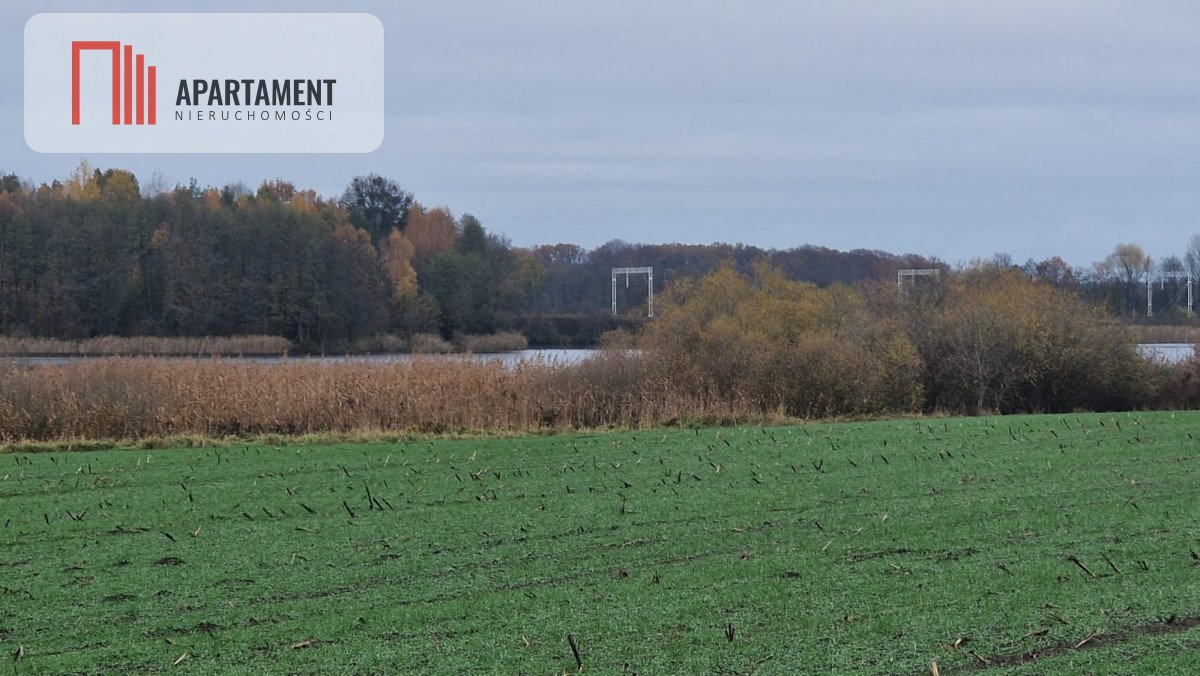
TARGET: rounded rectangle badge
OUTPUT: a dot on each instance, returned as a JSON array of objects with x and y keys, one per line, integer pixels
[{"x": 204, "y": 83}]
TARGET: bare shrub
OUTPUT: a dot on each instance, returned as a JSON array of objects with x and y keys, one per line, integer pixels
[
  {"x": 998, "y": 341},
  {"x": 380, "y": 343},
  {"x": 1177, "y": 386},
  {"x": 496, "y": 342},
  {"x": 775, "y": 345},
  {"x": 429, "y": 343}
]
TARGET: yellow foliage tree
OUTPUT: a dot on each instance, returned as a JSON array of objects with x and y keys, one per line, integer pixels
[
  {"x": 396, "y": 256},
  {"x": 81, "y": 185}
]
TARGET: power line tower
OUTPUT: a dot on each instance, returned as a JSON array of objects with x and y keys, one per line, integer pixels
[
  {"x": 649, "y": 272},
  {"x": 1162, "y": 277},
  {"x": 911, "y": 274}
]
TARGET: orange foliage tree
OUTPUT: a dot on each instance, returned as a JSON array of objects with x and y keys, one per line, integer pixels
[{"x": 431, "y": 232}]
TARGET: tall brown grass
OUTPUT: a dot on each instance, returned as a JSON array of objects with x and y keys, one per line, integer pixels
[
  {"x": 134, "y": 398},
  {"x": 105, "y": 346},
  {"x": 1164, "y": 333}
]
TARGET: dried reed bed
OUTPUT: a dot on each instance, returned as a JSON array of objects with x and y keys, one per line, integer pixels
[
  {"x": 1165, "y": 333},
  {"x": 136, "y": 398},
  {"x": 104, "y": 346}
]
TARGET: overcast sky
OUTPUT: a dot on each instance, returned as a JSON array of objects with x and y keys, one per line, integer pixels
[{"x": 957, "y": 129}]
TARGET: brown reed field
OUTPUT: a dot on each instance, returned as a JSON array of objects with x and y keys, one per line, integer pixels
[
  {"x": 118, "y": 346},
  {"x": 137, "y": 398},
  {"x": 1166, "y": 333}
]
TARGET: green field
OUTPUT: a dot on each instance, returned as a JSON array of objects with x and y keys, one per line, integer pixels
[{"x": 1038, "y": 543}]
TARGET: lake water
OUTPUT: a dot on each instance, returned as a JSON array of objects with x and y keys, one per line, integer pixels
[
  {"x": 552, "y": 357},
  {"x": 1170, "y": 353}
]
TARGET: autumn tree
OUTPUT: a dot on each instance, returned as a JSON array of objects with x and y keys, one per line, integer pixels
[
  {"x": 473, "y": 280},
  {"x": 1054, "y": 271},
  {"x": 277, "y": 190},
  {"x": 431, "y": 232},
  {"x": 118, "y": 185},
  {"x": 354, "y": 284},
  {"x": 395, "y": 257},
  {"x": 377, "y": 205},
  {"x": 81, "y": 184},
  {"x": 1128, "y": 264}
]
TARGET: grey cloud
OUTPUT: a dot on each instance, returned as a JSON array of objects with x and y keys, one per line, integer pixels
[{"x": 950, "y": 128}]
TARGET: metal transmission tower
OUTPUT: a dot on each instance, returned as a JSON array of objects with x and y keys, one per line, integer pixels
[
  {"x": 913, "y": 273},
  {"x": 648, "y": 271},
  {"x": 1162, "y": 277}
]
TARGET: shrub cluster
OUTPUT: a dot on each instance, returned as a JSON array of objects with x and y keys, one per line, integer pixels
[
  {"x": 994, "y": 340},
  {"x": 988, "y": 339},
  {"x": 504, "y": 341},
  {"x": 783, "y": 346}
]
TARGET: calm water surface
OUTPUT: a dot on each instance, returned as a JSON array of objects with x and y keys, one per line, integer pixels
[{"x": 1171, "y": 353}]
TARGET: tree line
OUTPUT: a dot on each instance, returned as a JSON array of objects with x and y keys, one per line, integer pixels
[
  {"x": 94, "y": 255},
  {"x": 98, "y": 254}
]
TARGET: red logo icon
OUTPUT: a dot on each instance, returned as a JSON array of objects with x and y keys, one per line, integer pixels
[{"x": 145, "y": 114}]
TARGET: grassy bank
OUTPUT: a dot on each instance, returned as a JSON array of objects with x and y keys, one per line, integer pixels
[{"x": 1058, "y": 544}]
